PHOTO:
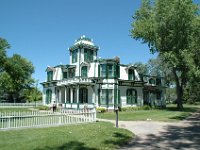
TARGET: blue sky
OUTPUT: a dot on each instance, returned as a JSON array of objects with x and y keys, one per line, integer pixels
[{"x": 43, "y": 30}]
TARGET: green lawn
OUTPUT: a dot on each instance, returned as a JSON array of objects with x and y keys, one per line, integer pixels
[
  {"x": 15, "y": 109},
  {"x": 92, "y": 136},
  {"x": 169, "y": 114}
]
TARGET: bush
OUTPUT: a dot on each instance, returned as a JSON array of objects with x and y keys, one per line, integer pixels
[
  {"x": 145, "y": 107},
  {"x": 43, "y": 107},
  {"x": 130, "y": 108},
  {"x": 101, "y": 110}
]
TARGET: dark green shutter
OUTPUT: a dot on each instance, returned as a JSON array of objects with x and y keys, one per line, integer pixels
[
  {"x": 107, "y": 98},
  {"x": 99, "y": 70},
  {"x": 115, "y": 71},
  {"x": 115, "y": 97},
  {"x": 99, "y": 101},
  {"x": 118, "y": 71},
  {"x": 119, "y": 99}
]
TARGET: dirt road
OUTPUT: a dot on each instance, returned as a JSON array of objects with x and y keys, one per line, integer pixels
[{"x": 152, "y": 135}]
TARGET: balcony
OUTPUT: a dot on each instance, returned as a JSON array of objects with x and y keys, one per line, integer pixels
[{"x": 75, "y": 80}]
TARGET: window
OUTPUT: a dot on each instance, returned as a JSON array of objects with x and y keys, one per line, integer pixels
[
  {"x": 49, "y": 75},
  {"x": 64, "y": 75},
  {"x": 131, "y": 74},
  {"x": 88, "y": 55},
  {"x": 74, "y": 56},
  {"x": 84, "y": 71},
  {"x": 71, "y": 72},
  {"x": 83, "y": 95},
  {"x": 131, "y": 96},
  {"x": 108, "y": 70},
  {"x": 103, "y": 97},
  {"x": 158, "y": 81},
  {"x": 48, "y": 96},
  {"x": 110, "y": 96},
  {"x": 152, "y": 81},
  {"x": 103, "y": 70},
  {"x": 74, "y": 96},
  {"x": 68, "y": 95},
  {"x": 158, "y": 95},
  {"x": 106, "y": 96}
]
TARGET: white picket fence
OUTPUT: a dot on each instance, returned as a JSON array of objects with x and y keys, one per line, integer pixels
[
  {"x": 10, "y": 120},
  {"x": 17, "y": 105}
]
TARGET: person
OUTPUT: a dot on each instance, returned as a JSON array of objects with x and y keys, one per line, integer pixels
[{"x": 54, "y": 106}]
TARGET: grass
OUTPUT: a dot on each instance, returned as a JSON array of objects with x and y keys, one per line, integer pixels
[
  {"x": 91, "y": 136},
  {"x": 170, "y": 114},
  {"x": 15, "y": 109}
]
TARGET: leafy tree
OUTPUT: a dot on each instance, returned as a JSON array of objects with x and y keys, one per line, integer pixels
[
  {"x": 19, "y": 70},
  {"x": 168, "y": 27},
  {"x": 3, "y": 46},
  {"x": 141, "y": 68},
  {"x": 33, "y": 94}
]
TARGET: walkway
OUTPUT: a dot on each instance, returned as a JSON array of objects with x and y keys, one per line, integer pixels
[{"x": 151, "y": 135}]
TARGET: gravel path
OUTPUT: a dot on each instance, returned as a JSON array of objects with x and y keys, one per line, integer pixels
[{"x": 152, "y": 135}]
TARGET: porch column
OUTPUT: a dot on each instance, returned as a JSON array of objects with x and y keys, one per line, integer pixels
[
  {"x": 65, "y": 95},
  {"x": 60, "y": 90},
  {"x": 93, "y": 95},
  {"x": 71, "y": 95}
]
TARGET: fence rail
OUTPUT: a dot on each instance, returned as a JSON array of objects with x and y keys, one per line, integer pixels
[
  {"x": 10, "y": 120},
  {"x": 17, "y": 105}
]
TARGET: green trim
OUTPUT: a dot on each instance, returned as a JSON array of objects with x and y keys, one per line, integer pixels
[
  {"x": 119, "y": 98},
  {"x": 99, "y": 101}
]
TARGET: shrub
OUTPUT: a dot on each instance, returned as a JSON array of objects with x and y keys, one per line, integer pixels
[
  {"x": 145, "y": 107},
  {"x": 101, "y": 110},
  {"x": 130, "y": 108},
  {"x": 42, "y": 107}
]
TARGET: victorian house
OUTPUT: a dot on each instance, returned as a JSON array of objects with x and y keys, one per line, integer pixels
[{"x": 95, "y": 82}]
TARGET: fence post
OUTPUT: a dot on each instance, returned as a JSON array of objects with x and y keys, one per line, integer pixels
[{"x": 8, "y": 122}]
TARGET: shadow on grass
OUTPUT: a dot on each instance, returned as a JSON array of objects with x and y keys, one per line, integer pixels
[
  {"x": 185, "y": 109},
  {"x": 180, "y": 117},
  {"x": 72, "y": 145},
  {"x": 122, "y": 139}
]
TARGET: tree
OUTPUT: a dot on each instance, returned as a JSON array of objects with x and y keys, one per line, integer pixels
[
  {"x": 3, "y": 46},
  {"x": 33, "y": 94},
  {"x": 168, "y": 27},
  {"x": 141, "y": 68},
  {"x": 19, "y": 70}
]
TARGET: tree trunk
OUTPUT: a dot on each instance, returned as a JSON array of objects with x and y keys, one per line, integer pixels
[{"x": 179, "y": 91}]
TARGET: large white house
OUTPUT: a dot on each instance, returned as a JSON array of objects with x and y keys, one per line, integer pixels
[{"x": 92, "y": 81}]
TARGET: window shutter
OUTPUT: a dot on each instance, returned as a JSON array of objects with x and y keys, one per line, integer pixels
[
  {"x": 118, "y": 71},
  {"x": 99, "y": 101},
  {"x": 119, "y": 99},
  {"x": 99, "y": 70},
  {"x": 115, "y": 97},
  {"x": 115, "y": 71}
]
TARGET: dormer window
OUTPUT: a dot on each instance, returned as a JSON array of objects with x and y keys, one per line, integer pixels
[
  {"x": 49, "y": 75},
  {"x": 131, "y": 74},
  {"x": 74, "y": 56},
  {"x": 71, "y": 72},
  {"x": 152, "y": 81},
  {"x": 88, "y": 55},
  {"x": 109, "y": 71},
  {"x": 64, "y": 75}
]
